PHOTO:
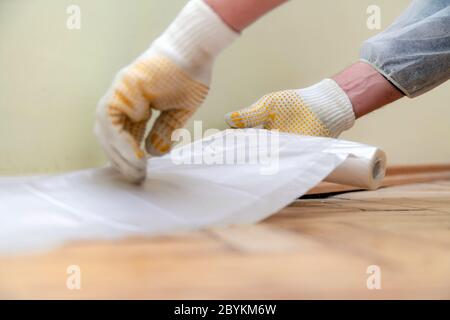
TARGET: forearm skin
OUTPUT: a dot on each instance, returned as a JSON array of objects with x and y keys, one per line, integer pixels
[
  {"x": 366, "y": 88},
  {"x": 239, "y": 14}
]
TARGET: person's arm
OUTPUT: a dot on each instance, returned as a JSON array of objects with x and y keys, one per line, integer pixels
[
  {"x": 239, "y": 14},
  {"x": 386, "y": 72},
  {"x": 325, "y": 109},
  {"x": 366, "y": 88},
  {"x": 172, "y": 77}
]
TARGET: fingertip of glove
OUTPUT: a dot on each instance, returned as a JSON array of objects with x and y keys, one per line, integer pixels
[
  {"x": 131, "y": 175},
  {"x": 137, "y": 180},
  {"x": 156, "y": 145},
  {"x": 157, "y": 152},
  {"x": 234, "y": 120}
]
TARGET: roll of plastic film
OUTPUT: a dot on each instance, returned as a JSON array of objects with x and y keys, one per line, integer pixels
[{"x": 364, "y": 168}]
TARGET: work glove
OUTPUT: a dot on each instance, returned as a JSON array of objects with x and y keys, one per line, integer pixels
[
  {"x": 320, "y": 110},
  {"x": 172, "y": 77}
]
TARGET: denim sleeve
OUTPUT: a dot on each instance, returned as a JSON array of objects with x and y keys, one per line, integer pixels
[{"x": 414, "y": 52}]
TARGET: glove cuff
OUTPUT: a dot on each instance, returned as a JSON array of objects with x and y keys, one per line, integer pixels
[
  {"x": 195, "y": 38},
  {"x": 331, "y": 105}
]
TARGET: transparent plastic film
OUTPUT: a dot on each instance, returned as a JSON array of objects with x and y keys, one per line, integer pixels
[{"x": 206, "y": 183}]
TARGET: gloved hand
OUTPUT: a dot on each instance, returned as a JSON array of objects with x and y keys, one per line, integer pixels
[
  {"x": 320, "y": 110},
  {"x": 173, "y": 77}
]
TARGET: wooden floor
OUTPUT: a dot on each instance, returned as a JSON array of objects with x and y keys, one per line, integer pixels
[{"x": 315, "y": 248}]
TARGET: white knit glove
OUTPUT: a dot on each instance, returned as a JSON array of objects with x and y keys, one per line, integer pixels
[
  {"x": 173, "y": 77},
  {"x": 320, "y": 110}
]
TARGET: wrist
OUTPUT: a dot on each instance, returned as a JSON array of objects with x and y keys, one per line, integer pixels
[
  {"x": 239, "y": 14},
  {"x": 330, "y": 104},
  {"x": 366, "y": 88},
  {"x": 194, "y": 39}
]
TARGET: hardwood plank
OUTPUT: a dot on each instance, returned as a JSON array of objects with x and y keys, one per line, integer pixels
[
  {"x": 395, "y": 175},
  {"x": 315, "y": 248}
]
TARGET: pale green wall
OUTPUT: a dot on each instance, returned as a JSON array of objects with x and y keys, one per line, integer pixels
[{"x": 51, "y": 78}]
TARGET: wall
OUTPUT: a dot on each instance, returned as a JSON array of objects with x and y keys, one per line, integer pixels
[{"x": 51, "y": 78}]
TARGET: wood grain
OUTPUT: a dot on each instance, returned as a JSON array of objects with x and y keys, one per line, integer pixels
[
  {"x": 315, "y": 248},
  {"x": 395, "y": 175}
]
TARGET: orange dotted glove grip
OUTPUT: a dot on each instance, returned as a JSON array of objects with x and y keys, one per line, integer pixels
[
  {"x": 320, "y": 110},
  {"x": 282, "y": 110},
  {"x": 154, "y": 84}
]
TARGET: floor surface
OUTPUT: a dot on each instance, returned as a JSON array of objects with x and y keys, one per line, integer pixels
[{"x": 315, "y": 248}]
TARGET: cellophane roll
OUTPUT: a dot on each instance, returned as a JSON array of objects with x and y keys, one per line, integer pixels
[{"x": 364, "y": 167}]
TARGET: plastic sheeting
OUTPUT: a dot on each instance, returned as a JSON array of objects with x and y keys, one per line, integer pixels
[{"x": 206, "y": 183}]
